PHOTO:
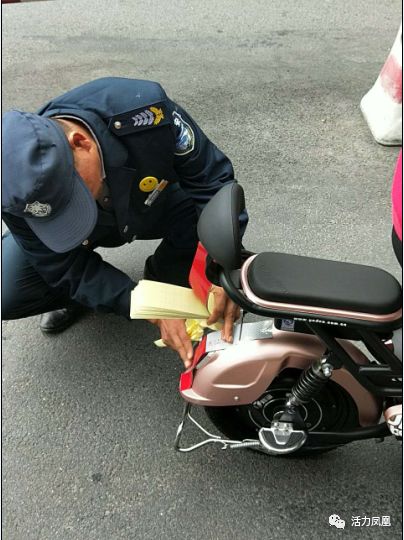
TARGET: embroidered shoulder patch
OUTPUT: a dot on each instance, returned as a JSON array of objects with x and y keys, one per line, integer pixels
[
  {"x": 152, "y": 115},
  {"x": 139, "y": 119},
  {"x": 184, "y": 136}
]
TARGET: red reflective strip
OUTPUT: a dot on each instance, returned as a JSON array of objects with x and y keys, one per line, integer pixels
[
  {"x": 186, "y": 380},
  {"x": 187, "y": 377},
  {"x": 391, "y": 79},
  {"x": 197, "y": 277}
]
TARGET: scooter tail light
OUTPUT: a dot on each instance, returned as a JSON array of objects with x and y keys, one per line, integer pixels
[{"x": 187, "y": 377}]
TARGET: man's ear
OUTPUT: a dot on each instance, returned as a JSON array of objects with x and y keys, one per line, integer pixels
[{"x": 79, "y": 141}]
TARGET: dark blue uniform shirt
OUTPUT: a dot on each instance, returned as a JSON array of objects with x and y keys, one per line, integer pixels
[{"x": 141, "y": 133}]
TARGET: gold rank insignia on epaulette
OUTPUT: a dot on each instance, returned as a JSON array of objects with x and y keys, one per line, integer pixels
[{"x": 148, "y": 117}]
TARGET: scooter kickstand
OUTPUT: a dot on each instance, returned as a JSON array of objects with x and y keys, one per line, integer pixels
[{"x": 212, "y": 439}]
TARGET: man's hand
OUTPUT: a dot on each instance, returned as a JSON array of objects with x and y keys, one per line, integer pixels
[
  {"x": 175, "y": 336},
  {"x": 224, "y": 309}
]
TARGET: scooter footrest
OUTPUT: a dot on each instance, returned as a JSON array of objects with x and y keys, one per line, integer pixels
[{"x": 281, "y": 438}]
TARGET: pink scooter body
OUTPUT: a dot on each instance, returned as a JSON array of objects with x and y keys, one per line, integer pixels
[{"x": 240, "y": 374}]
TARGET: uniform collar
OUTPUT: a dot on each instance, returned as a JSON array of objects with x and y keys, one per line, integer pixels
[{"x": 114, "y": 153}]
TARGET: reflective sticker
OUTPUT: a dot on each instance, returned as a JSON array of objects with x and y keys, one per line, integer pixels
[{"x": 184, "y": 136}]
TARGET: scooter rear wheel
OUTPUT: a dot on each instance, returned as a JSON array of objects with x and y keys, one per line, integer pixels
[{"x": 333, "y": 409}]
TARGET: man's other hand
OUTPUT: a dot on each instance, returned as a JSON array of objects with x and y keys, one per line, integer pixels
[
  {"x": 174, "y": 335},
  {"x": 225, "y": 309}
]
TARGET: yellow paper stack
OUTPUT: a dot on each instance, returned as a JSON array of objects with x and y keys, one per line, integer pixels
[{"x": 155, "y": 300}]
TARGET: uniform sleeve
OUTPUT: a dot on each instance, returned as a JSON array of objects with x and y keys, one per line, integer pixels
[
  {"x": 202, "y": 168},
  {"x": 81, "y": 274}
]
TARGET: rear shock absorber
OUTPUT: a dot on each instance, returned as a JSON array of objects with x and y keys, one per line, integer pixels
[
  {"x": 310, "y": 382},
  {"x": 288, "y": 432}
]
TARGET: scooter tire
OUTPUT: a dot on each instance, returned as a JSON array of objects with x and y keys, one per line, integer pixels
[{"x": 333, "y": 409}]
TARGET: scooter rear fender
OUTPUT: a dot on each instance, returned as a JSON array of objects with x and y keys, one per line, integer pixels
[{"x": 240, "y": 374}]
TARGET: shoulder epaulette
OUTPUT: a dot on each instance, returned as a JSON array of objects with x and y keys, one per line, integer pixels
[{"x": 148, "y": 117}]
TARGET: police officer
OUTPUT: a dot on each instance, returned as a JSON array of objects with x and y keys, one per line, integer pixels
[{"x": 106, "y": 163}]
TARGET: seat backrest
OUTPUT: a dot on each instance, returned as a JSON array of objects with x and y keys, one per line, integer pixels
[{"x": 219, "y": 226}]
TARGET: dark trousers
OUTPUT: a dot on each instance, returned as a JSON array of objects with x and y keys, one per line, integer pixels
[{"x": 25, "y": 293}]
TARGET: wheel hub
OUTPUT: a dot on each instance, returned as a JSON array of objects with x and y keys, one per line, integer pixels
[{"x": 272, "y": 403}]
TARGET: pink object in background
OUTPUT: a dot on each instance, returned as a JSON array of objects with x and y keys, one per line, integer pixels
[{"x": 397, "y": 197}]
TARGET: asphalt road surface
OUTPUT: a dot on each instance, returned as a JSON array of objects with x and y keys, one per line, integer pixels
[{"x": 89, "y": 416}]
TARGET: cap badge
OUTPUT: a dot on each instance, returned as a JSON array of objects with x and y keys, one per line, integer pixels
[{"x": 38, "y": 209}]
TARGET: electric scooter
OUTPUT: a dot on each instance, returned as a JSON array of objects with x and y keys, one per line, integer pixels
[{"x": 294, "y": 383}]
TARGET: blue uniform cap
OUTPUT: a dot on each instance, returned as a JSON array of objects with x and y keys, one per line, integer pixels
[{"x": 40, "y": 183}]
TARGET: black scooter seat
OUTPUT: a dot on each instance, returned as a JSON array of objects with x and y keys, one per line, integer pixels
[{"x": 298, "y": 280}]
